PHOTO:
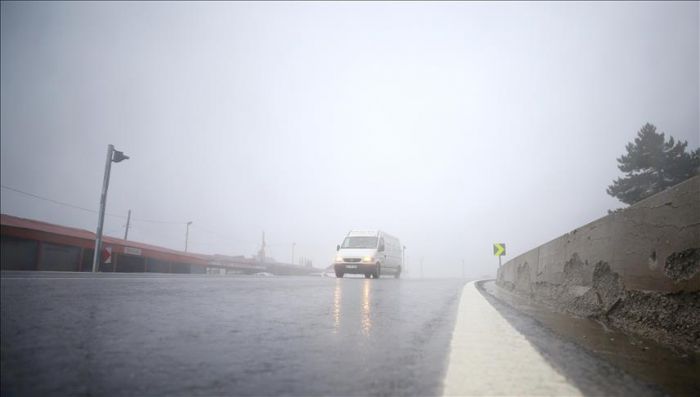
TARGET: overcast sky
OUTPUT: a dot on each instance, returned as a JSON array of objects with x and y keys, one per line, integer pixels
[{"x": 450, "y": 125}]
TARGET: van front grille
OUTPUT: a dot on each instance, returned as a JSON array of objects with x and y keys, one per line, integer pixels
[{"x": 352, "y": 259}]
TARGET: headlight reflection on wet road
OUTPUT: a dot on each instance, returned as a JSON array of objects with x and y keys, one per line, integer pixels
[
  {"x": 337, "y": 300},
  {"x": 366, "y": 311},
  {"x": 364, "y": 304}
]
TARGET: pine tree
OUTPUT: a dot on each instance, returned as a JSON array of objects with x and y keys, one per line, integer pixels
[{"x": 652, "y": 164}]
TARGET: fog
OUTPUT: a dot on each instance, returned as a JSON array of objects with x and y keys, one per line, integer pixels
[{"x": 449, "y": 125}]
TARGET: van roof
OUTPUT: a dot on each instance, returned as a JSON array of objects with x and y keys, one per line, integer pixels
[{"x": 363, "y": 233}]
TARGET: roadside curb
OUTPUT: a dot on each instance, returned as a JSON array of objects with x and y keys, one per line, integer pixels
[{"x": 490, "y": 357}]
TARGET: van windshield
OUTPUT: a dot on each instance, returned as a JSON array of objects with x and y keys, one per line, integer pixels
[{"x": 360, "y": 242}]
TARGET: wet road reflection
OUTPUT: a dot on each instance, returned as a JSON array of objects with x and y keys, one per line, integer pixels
[
  {"x": 184, "y": 336},
  {"x": 366, "y": 311},
  {"x": 357, "y": 305},
  {"x": 337, "y": 301}
]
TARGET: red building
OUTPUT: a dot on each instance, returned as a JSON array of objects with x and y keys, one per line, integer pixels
[{"x": 32, "y": 245}]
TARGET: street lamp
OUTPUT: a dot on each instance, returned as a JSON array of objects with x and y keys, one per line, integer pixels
[
  {"x": 187, "y": 234},
  {"x": 403, "y": 258},
  {"x": 112, "y": 156}
]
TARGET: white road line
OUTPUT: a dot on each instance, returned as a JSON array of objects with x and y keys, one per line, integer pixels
[
  {"x": 489, "y": 357},
  {"x": 123, "y": 278}
]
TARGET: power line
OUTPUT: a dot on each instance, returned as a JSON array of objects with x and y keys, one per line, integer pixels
[
  {"x": 197, "y": 227},
  {"x": 157, "y": 221},
  {"x": 53, "y": 201},
  {"x": 36, "y": 196},
  {"x": 134, "y": 219}
]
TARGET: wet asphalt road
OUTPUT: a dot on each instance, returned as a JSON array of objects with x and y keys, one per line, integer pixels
[{"x": 116, "y": 334}]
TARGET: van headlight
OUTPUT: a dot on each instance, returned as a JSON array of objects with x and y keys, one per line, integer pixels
[
  {"x": 338, "y": 258},
  {"x": 367, "y": 259}
]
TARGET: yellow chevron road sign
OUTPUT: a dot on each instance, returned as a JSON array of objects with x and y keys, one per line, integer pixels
[{"x": 499, "y": 249}]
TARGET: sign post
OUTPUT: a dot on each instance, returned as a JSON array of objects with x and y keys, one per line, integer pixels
[{"x": 499, "y": 250}]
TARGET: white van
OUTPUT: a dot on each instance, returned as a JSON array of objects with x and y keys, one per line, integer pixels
[{"x": 369, "y": 252}]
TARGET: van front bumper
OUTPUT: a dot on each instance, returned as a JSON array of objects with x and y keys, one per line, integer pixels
[{"x": 355, "y": 267}]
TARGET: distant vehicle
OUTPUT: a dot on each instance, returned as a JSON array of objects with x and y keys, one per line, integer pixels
[
  {"x": 368, "y": 252},
  {"x": 263, "y": 274}
]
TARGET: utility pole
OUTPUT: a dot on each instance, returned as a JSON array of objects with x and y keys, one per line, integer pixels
[
  {"x": 293, "y": 246},
  {"x": 112, "y": 156},
  {"x": 261, "y": 252},
  {"x": 128, "y": 218},
  {"x": 187, "y": 234}
]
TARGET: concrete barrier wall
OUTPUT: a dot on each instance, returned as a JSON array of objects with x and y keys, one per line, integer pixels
[
  {"x": 644, "y": 244},
  {"x": 627, "y": 267}
]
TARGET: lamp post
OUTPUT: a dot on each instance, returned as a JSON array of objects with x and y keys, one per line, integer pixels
[
  {"x": 187, "y": 234},
  {"x": 403, "y": 258},
  {"x": 112, "y": 156}
]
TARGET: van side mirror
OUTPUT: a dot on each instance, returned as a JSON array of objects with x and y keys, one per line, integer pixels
[
  {"x": 337, "y": 247},
  {"x": 380, "y": 249}
]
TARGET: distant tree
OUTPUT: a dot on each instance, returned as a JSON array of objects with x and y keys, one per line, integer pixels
[{"x": 653, "y": 164}]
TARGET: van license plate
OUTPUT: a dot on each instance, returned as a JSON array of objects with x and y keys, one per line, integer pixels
[{"x": 351, "y": 266}]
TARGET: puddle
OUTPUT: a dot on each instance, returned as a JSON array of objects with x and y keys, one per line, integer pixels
[{"x": 677, "y": 371}]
